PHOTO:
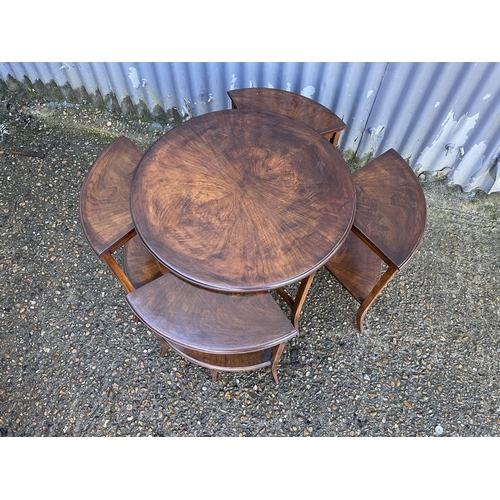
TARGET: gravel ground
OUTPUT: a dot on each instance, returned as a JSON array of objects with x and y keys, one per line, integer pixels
[{"x": 74, "y": 363}]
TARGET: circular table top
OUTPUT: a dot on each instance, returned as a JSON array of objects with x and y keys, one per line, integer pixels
[{"x": 242, "y": 201}]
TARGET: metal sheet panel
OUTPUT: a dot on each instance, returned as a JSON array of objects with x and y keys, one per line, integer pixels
[
  {"x": 444, "y": 117},
  {"x": 416, "y": 108}
]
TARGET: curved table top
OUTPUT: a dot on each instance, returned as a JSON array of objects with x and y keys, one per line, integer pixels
[
  {"x": 284, "y": 102},
  {"x": 242, "y": 201}
]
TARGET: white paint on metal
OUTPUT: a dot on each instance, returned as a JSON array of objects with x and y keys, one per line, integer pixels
[
  {"x": 412, "y": 100},
  {"x": 233, "y": 82},
  {"x": 470, "y": 171},
  {"x": 377, "y": 131},
  {"x": 186, "y": 108},
  {"x": 308, "y": 91},
  {"x": 496, "y": 185},
  {"x": 434, "y": 158},
  {"x": 134, "y": 77}
]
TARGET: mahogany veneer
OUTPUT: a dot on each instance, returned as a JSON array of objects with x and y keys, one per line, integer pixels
[
  {"x": 220, "y": 331},
  {"x": 242, "y": 201},
  {"x": 142, "y": 268},
  {"x": 296, "y": 106},
  {"x": 105, "y": 203},
  {"x": 388, "y": 227},
  {"x": 139, "y": 265},
  {"x": 178, "y": 313}
]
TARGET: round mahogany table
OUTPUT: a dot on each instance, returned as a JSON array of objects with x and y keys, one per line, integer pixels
[{"x": 242, "y": 201}]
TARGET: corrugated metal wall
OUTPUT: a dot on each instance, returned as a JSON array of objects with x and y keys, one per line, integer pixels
[{"x": 443, "y": 117}]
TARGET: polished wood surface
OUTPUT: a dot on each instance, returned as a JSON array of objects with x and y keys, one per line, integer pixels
[
  {"x": 105, "y": 203},
  {"x": 142, "y": 268},
  {"x": 105, "y": 196},
  {"x": 390, "y": 208},
  {"x": 139, "y": 265},
  {"x": 210, "y": 321},
  {"x": 388, "y": 227},
  {"x": 356, "y": 266},
  {"x": 296, "y": 106},
  {"x": 222, "y": 331},
  {"x": 106, "y": 220},
  {"x": 242, "y": 201}
]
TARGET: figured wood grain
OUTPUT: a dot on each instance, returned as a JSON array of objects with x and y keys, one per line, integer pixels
[
  {"x": 389, "y": 225},
  {"x": 391, "y": 210},
  {"x": 240, "y": 200},
  {"x": 141, "y": 268},
  {"x": 356, "y": 267},
  {"x": 226, "y": 362},
  {"x": 221, "y": 331},
  {"x": 210, "y": 321},
  {"x": 296, "y": 106},
  {"x": 139, "y": 265},
  {"x": 105, "y": 196}
]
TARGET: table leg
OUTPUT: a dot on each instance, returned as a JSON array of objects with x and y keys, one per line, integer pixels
[
  {"x": 335, "y": 139},
  {"x": 383, "y": 282},
  {"x": 277, "y": 352},
  {"x": 297, "y": 303},
  {"x": 117, "y": 270},
  {"x": 300, "y": 298},
  {"x": 164, "y": 348}
]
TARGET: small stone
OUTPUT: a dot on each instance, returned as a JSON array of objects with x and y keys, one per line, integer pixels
[{"x": 439, "y": 430}]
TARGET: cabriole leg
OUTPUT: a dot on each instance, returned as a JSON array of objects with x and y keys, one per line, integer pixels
[
  {"x": 384, "y": 280},
  {"x": 276, "y": 359}
]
